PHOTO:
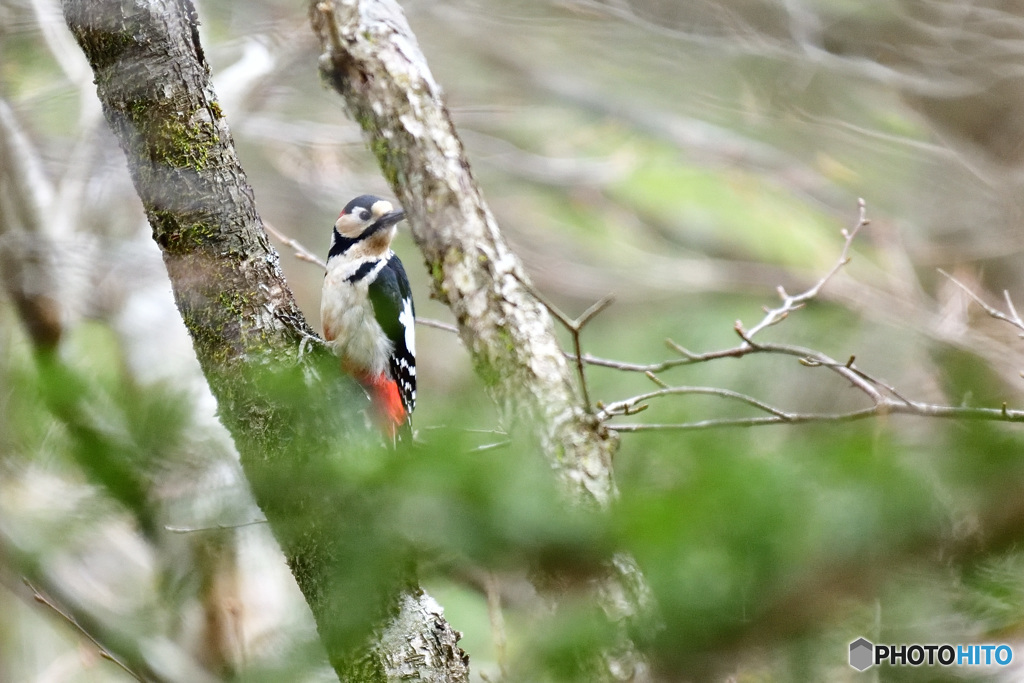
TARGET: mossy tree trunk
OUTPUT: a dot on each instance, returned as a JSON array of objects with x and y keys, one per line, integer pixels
[{"x": 154, "y": 84}]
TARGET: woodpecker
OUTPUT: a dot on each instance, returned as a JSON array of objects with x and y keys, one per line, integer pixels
[{"x": 367, "y": 312}]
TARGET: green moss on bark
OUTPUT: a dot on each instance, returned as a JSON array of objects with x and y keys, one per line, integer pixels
[
  {"x": 179, "y": 238},
  {"x": 107, "y": 48},
  {"x": 177, "y": 139}
]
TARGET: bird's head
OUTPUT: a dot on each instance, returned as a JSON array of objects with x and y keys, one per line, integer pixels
[{"x": 366, "y": 220}]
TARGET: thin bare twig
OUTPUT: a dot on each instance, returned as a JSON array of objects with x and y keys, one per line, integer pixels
[
  {"x": 885, "y": 398},
  {"x": 849, "y": 364},
  {"x": 643, "y": 368},
  {"x": 1012, "y": 318},
  {"x": 885, "y": 407},
  {"x": 575, "y": 327},
  {"x": 1012, "y": 308},
  {"x": 215, "y": 527},
  {"x": 809, "y": 357},
  {"x": 501, "y": 442},
  {"x": 437, "y": 324},
  {"x": 42, "y": 599},
  {"x": 465, "y": 430},
  {"x": 772, "y": 316},
  {"x": 812, "y": 358},
  {"x": 654, "y": 378},
  {"x": 790, "y": 302},
  {"x": 301, "y": 252},
  {"x": 490, "y": 446},
  {"x": 630, "y": 406}
]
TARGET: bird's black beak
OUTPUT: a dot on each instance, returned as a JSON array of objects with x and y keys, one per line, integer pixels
[
  {"x": 391, "y": 218},
  {"x": 385, "y": 221}
]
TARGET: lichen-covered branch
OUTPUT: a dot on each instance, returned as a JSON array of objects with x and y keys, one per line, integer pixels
[
  {"x": 289, "y": 413},
  {"x": 371, "y": 58}
]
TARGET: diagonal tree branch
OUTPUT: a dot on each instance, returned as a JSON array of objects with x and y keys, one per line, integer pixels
[{"x": 371, "y": 58}]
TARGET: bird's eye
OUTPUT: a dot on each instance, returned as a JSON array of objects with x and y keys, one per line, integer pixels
[{"x": 363, "y": 214}]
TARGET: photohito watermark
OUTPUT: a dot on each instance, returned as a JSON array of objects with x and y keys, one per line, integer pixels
[{"x": 864, "y": 654}]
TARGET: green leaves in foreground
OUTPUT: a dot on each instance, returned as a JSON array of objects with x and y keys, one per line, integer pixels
[{"x": 791, "y": 545}]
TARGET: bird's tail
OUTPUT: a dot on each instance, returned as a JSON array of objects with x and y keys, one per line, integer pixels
[{"x": 387, "y": 410}]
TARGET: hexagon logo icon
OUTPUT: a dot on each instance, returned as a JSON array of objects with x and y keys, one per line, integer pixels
[{"x": 861, "y": 654}]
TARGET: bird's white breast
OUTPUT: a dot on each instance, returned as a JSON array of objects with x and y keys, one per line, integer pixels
[{"x": 348, "y": 319}]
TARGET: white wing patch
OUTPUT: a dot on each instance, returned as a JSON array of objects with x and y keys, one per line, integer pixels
[
  {"x": 405, "y": 363},
  {"x": 409, "y": 324}
]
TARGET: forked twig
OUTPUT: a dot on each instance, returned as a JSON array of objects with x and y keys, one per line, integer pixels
[
  {"x": 885, "y": 398},
  {"x": 575, "y": 327},
  {"x": 1012, "y": 318},
  {"x": 885, "y": 407},
  {"x": 790, "y": 302},
  {"x": 773, "y": 316}
]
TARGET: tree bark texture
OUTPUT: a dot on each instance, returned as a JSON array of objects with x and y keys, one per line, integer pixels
[
  {"x": 371, "y": 58},
  {"x": 154, "y": 84}
]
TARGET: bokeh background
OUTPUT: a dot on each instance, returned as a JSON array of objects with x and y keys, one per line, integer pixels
[{"x": 685, "y": 157}]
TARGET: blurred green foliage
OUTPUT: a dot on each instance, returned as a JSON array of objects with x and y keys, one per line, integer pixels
[{"x": 766, "y": 540}]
